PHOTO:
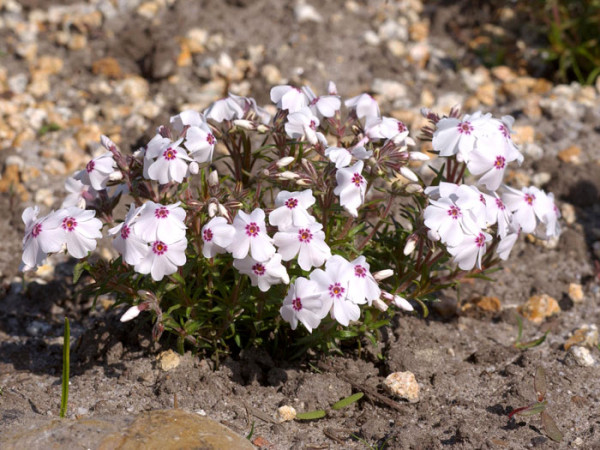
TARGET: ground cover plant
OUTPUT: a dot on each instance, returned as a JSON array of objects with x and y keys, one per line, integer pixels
[{"x": 242, "y": 225}]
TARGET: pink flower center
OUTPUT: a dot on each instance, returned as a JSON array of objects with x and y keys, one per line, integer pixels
[
  {"x": 125, "y": 231},
  {"x": 252, "y": 229},
  {"x": 207, "y": 235},
  {"x": 304, "y": 235},
  {"x": 360, "y": 271},
  {"x": 500, "y": 204},
  {"x": 170, "y": 154},
  {"x": 500, "y": 162},
  {"x": 465, "y": 128},
  {"x": 210, "y": 139},
  {"x": 69, "y": 223},
  {"x": 258, "y": 269},
  {"x": 90, "y": 166},
  {"x": 297, "y": 304},
  {"x": 454, "y": 212},
  {"x": 37, "y": 229},
  {"x": 312, "y": 125},
  {"x": 401, "y": 127},
  {"x": 336, "y": 290},
  {"x": 480, "y": 240},
  {"x": 529, "y": 199},
  {"x": 159, "y": 247},
  {"x": 291, "y": 203},
  {"x": 161, "y": 212},
  {"x": 357, "y": 179}
]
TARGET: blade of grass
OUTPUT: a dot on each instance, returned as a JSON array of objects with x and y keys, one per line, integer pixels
[{"x": 64, "y": 398}]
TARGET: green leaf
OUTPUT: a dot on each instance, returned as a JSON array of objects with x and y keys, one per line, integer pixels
[
  {"x": 347, "y": 401},
  {"x": 311, "y": 415},
  {"x": 78, "y": 270},
  {"x": 533, "y": 409},
  {"x": 531, "y": 344},
  {"x": 551, "y": 428}
]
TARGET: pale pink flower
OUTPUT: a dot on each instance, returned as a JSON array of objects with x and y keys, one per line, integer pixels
[
  {"x": 81, "y": 229},
  {"x": 185, "y": 118},
  {"x": 307, "y": 242},
  {"x": 224, "y": 109},
  {"x": 458, "y": 137},
  {"x": 79, "y": 194},
  {"x": 303, "y": 124},
  {"x": 200, "y": 141},
  {"x": 289, "y": 98},
  {"x": 385, "y": 128},
  {"x": 489, "y": 159},
  {"x": 468, "y": 253},
  {"x": 251, "y": 236},
  {"x": 263, "y": 274},
  {"x": 362, "y": 287},
  {"x": 532, "y": 206},
  {"x": 351, "y": 187},
  {"x": 303, "y": 303},
  {"x": 127, "y": 242},
  {"x": 163, "y": 258},
  {"x": 167, "y": 161},
  {"x": 97, "y": 171},
  {"x": 42, "y": 236},
  {"x": 161, "y": 222},
  {"x": 325, "y": 105},
  {"x": 217, "y": 235},
  {"x": 292, "y": 209},
  {"x": 364, "y": 105}
]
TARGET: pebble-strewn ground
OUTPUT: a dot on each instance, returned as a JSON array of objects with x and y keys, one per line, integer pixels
[{"x": 73, "y": 70}]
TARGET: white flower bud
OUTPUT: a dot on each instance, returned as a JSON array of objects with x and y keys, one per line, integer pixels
[
  {"x": 380, "y": 305},
  {"x": 117, "y": 175},
  {"x": 402, "y": 303},
  {"x": 409, "y": 247},
  {"x": 303, "y": 182},
  {"x": 409, "y": 174},
  {"x": 223, "y": 211},
  {"x": 287, "y": 175},
  {"x": 383, "y": 274},
  {"x": 413, "y": 188},
  {"x": 433, "y": 235},
  {"x": 194, "y": 168},
  {"x": 245, "y": 124},
  {"x": 285, "y": 161},
  {"x": 212, "y": 209},
  {"x": 410, "y": 141},
  {"x": 418, "y": 156},
  {"x": 130, "y": 314},
  {"x": 262, "y": 128},
  {"x": 310, "y": 134},
  {"x": 213, "y": 178}
]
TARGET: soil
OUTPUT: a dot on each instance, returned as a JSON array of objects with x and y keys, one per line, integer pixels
[{"x": 469, "y": 372}]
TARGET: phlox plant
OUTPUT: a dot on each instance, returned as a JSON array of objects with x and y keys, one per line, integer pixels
[{"x": 299, "y": 230}]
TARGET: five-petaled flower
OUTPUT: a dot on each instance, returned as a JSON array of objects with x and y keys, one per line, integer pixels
[
  {"x": 303, "y": 303},
  {"x": 251, "y": 236}
]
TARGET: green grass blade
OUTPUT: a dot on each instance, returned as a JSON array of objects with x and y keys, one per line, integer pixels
[
  {"x": 64, "y": 398},
  {"x": 347, "y": 401},
  {"x": 311, "y": 415}
]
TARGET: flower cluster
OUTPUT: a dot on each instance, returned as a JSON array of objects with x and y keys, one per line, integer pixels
[{"x": 298, "y": 209}]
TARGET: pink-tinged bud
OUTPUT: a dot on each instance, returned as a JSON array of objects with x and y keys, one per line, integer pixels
[
  {"x": 303, "y": 182},
  {"x": 146, "y": 295},
  {"x": 223, "y": 211},
  {"x": 383, "y": 274},
  {"x": 130, "y": 314},
  {"x": 287, "y": 175},
  {"x": 194, "y": 168},
  {"x": 380, "y": 305},
  {"x": 310, "y": 134},
  {"x": 245, "y": 124},
  {"x": 418, "y": 156},
  {"x": 332, "y": 88},
  {"x": 212, "y": 210},
  {"x": 262, "y": 128},
  {"x": 402, "y": 303},
  {"x": 213, "y": 178},
  {"x": 410, "y": 246},
  {"x": 413, "y": 188},
  {"x": 409, "y": 174},
  {"x": 387, "y": 296},
  {"x": 285, "y": 161}
]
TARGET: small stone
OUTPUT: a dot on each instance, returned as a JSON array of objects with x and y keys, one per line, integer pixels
[
  {"x": 570, "y": 154},
  {"x": 541, "y": 86},
  {"x": 184, "y": 59},
  {"x": 148, "y": 9},
  {"x": 491, "y": 304},
  {"x": 503, "y": 73},
  {"x": 196, "y": 40},
  {"x": 539, "y": 307},
  {"x": 168, "y": 360},
  {"x": 519, "y": 87},
  {"x": 523, "y": 134},
  {"x": 286, "y": 413},
  {"x": 533, "y": 151},
  {"x": 578, "y": 442},
  {"x": 390, "y": 90},
  {"x": 403, "y": 385},
  {"x": 44, "y": 196},
  {"x": 306, "y": 13},
  {"x": 371, "y": 38},
  {"x": 486, "y": 94},
  {"x": 419, "y": 54},
  {"x": 50, "y": 64},
  {"x": 580, "y": 356},
  {"x": 419, "y": 31},
  {"x": 109, "y": 67},
  {"x": 576, "y": 292},
  {"x": 271, "y": 74},
  {"x": 18, "y": 83},
  {"x": 88, "y": 135},
  {"x": 540, "y": 178},
  {"x": 77, "y": 41},
  {"x": 586, "y": 336},
  {"x": 136, "y": 88}
]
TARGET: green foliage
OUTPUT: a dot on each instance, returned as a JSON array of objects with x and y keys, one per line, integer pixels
[
  {"x": 529, "y": 344},
  {"x": 64, "y": 398}
]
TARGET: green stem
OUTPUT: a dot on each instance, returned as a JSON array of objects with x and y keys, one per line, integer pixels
[{"x": 64, "y": 398}]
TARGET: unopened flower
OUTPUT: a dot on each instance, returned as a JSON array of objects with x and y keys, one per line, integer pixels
[
  {"x": 251, "y": 236},
  {"x": 42, "y": 236},
  {"x": 127, "y": 242},
  {"x": 351, "y": 187},
  {"x": 308, "y": 242},
  {"x": 303, "y": 303},
  {"x": 163, "y": 258},
  {"x": 213, "y": 178},
  {"x": 263, "y": 274},
  {"x": 97, "y": 171},
  {"x": 161, "y": 222},
  {"x": 383, "y": 274},
  {"x": 285, "y": 161},
  {"x": 380, "y": 305},
  {"x": 130, "y": 314},
  {"x": 217, "y": 235},
  {"x": 292, "y": 209}
]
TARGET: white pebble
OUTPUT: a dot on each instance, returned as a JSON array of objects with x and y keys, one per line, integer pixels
[{"x": 403, "y": 385}]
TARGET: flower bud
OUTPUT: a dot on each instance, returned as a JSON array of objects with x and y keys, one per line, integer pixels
[
  {"x": 418, "y": 156},
  {"x": 413, "y": 188},
  {"x": 311, "y": 135},
  {"x": 303, "y": 182},
  {"x": 285, "y": 161},
  {"x": 380, "y": 305},
  {"x": 287, "y": 175},
  {"x": 411, "y": 243},
  {"x": 262, "y": 128},
  {"x": 223, "y": 211},
  {"x": 402, "y": 303},
  {"x": 409, "y": 174},
  {"x": 212, "y": 209},
  {"x": 383, "y": 274},
  {"x": 117, "y": 175},
  {"x": 213, "y": 178},
  {"x": 332, "y": 88},
  {"x": 433, "y": 235},
  {"x": 194, "y": 168},
  {"x": 245, "y": 124},
  {"x": 130, "y": 314}
]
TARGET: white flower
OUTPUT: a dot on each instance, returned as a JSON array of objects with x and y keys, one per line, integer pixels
[
  {"x": 303, "y": 303},
  {"x": 163, "y": 258},
  {"x": 342, "y": 157},
  {"x": 186, "y": 118},
  {"x": 79, "y": 193},
  {"x": 457, "y": 137},
  {"x": 200, "y": 141},
  {"x": 326, "y": 105},
  {"x": 251, "y": 236},
  {"x": 507, "y": 243},
  {"x": 362, "y": 287},
  {"x": 303, "y": 124},
  {"x": 224, "y": 109},
  {"x": 161, "y": 222},
  {"x": 385, "y": 128},
  {"x": 166, "y": 161},
  {"x": 468, "y": 253},
  {"x": 307, "y": 242},
  {"x": 531, "y": 206},
  {"x": 81, "y": 229},
  {"x": 292, "y": 209},
  {"x": 364, "y": 105},
  {"x": 263, "y": 274},
  {"x": 97, "y": 171},
  {"x": 489, "y": 159},
  {"x": 289, "y": 98},
  {"x": 333, "y": 284},
  {"x": 351, "y": 187},
  {"x": 127, "y": 242},
  {"x": 42, "y": 236},
  {"x": 217, "y": 235}
]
